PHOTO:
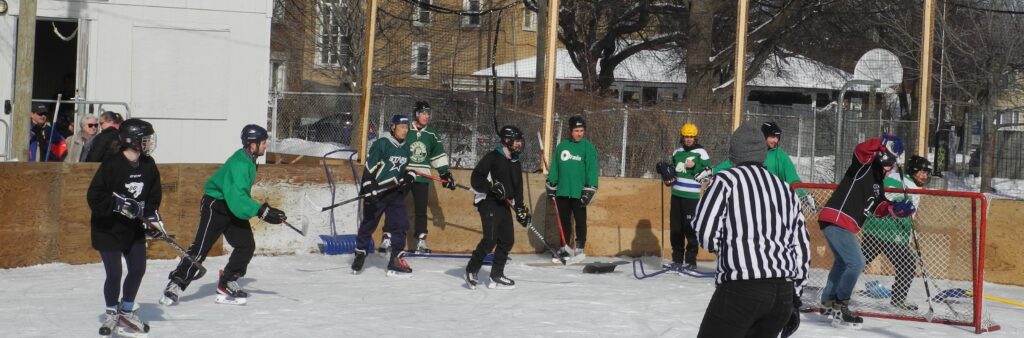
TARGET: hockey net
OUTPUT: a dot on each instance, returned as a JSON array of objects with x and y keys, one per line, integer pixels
[{"x": 945, "y": 279}]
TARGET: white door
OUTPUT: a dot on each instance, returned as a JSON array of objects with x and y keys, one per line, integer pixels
[{"x": 8, "y": 34}]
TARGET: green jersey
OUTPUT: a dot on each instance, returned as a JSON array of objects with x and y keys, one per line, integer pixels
[
  {"x": 573, "y": 167},
  {"x": 425, "y": 152},
  {"x": 892, "y": 229},
  {"x": 386, "y": 160},
  {"x": 685, "y": 186},
  {"x": 232, "y": 183}
]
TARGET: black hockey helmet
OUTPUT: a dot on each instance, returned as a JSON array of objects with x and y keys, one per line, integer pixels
[
  {"x": 137, "y": 134},
  {"x": 771, "y": 129},
  {"x": 508, "y": 135},
  {"x": 918, "y": 163},
  {"x": 253, "y": 134},
  {"x": 577, "y": 122},
  {"x": 421, "y": 106}
]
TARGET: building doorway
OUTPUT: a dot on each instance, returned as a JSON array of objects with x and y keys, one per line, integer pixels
[{"x": 56, "y": 65}]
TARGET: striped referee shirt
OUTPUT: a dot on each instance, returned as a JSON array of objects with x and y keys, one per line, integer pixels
[{"x": 752, "y": 221}]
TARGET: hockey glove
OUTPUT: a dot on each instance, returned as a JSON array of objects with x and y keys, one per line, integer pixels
[
  {"x": 794, "y": 318},
  {"x": 447, "y": 181},
  {"x": 128, "y": 207},
  {"x": 703, "y": 176},
  {"x": 271, "y": 215},
  {"x": 903, "y": 208},
  {"x": 406, "y": 180},
  {"x": 498, "y": 190},
  {"x": 523, "y": 216},
  {"x": 154, "y": 226},
  {"x": 551, "y": 189},
  {"x": 588, "y": 195},
  {"x": 666, "y": 171}
]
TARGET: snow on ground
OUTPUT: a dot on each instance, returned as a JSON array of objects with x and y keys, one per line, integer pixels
[{"x": 316, "y": 296}]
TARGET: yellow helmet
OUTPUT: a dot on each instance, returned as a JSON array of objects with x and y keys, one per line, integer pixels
[{"x": 688, "y": 130}]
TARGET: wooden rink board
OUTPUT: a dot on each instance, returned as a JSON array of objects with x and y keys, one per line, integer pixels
[{"x": 44, "y": 217}]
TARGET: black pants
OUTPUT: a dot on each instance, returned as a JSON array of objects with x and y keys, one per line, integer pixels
[
  {"x": 496, "y": 218},
  {"x": 420, "y": 193},
  {"x": 902, "y": 258},
  {"x": 569, "y": 208},
  {"x": 214, "y": 220},
  {"x": 680, "y": 216},
  {"x": 748, "y": 308},
  {"x": 135, "y": 259}
]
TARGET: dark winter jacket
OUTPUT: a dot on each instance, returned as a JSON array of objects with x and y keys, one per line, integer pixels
[
  {"x": 860, "y": 193},
  {"x": 496, "y": 167},
  {"x": 104, "y": 145},
  {"x": 110, "y": 229}
]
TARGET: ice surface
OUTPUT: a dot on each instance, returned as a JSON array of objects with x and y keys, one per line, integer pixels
[{"x": 315, "y": 296}]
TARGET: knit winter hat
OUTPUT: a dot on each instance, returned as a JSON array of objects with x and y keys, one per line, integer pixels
[{"x": 747, "y": 144}]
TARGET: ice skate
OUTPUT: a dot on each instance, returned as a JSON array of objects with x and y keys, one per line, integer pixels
[
  {"x": 421, "y": 245},
  {"x": 579, "y": 255},
  {"x": 109, "y": 323},
  {"x": 229, "y": 292},
  {"x": 826, "y": 310},
  {"x": 471, "y": 280},
  {"x": 398, "y": 267},
  {"x": 501, "y": 282},
  {"x": 842, "y": 317},
  {"x": 385, "y": 244},
  {"x": 171, "y": 294},
  {"x": 357, "y": 262},
  {"x": 129, "y": 325}
]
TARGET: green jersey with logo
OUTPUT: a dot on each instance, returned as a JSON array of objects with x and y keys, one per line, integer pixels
[
  {"x": 893, "y": 229},
  {"x": 387, "y": 159},
  {"x": 425, "y": 152},
  {"x": 685, "y": 186},
  {"x": 573, "y": 167}
]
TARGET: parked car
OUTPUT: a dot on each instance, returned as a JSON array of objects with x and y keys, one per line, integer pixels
[{"x": 336, "y": 128}]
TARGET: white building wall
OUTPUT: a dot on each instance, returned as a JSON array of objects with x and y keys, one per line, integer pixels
[{"x": 196, "y": 69}]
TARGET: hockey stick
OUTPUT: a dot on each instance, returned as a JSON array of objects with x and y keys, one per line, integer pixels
[
  {"x": 442, "y": 181},
  {"x": 545, "y": 241},
  {"x": 181, "y": 252},
  {"x": 642, "y": 274},
  {"x": 293, "y": 228},
  {"x": 353, "y": 199},
  {"x": 558, "y": 216}
]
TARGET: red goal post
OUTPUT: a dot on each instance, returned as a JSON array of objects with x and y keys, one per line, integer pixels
[{"x": 945, "y": 266}]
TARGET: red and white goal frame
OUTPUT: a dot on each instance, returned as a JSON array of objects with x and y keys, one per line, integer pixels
[{"x": 948, "y": 275}]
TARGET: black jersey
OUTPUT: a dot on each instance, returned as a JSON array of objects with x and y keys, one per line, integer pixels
[{"x": 110, "y": 229}]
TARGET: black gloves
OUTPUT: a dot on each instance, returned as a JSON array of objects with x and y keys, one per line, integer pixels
[
  {"x": 498, "y": 190},
  {"x": 794, "y": 318},
  {"x": 128, "y": 207},
  {"x": 551, "y": 189},
  {"x": 588, "y": 195},
  {"x": 271, "y": 215},
  {"x": 154, "y": 226},
  {"x": 448, "y": 181},
  {"x": 405, "y": 181},
  {"x": 523, "y": 216},
  {"x": 667, "y": 172}
]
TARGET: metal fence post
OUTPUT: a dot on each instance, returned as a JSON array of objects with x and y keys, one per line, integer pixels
[
  {"x": 273, "y": 121},
  {"x": 625, "y": 135}
]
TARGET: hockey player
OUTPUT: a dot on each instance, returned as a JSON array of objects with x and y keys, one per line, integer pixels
[
  {"x": 497, "y": 183},
  {"x": 425, "y": 152},
  {"x": 688, "y": 161},
  {"x": 125, "y": 189},
  {"x": 225, "y": 209},
  {"x": 892, "y": 236},
  {"x": 386, "y": 169},
  {"x": 858, "y": 194},
  {"x": 572, "y": 182},
  {"x": 752, "y": 220}
]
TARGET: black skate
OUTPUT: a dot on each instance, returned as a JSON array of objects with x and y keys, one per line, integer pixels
[
  {"x": 385, "y": 244},
  {"x": 843, "y": 317},
  {"x": 109, "y": 323},
  {"x": 398, "y": 267},
  {"x": 421, "y": 245},
  {"x": 357, "y": 262},
  {"x": 129, "y": 325},
  {"x": 171, "y": 293},
  {"x": 229, "y": 292},
  {"x": 471, "y": 280},
  {"x": 501, "y": 282}
]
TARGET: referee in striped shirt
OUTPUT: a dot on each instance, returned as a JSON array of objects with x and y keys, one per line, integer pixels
[{"x": 752, "y": 221}]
